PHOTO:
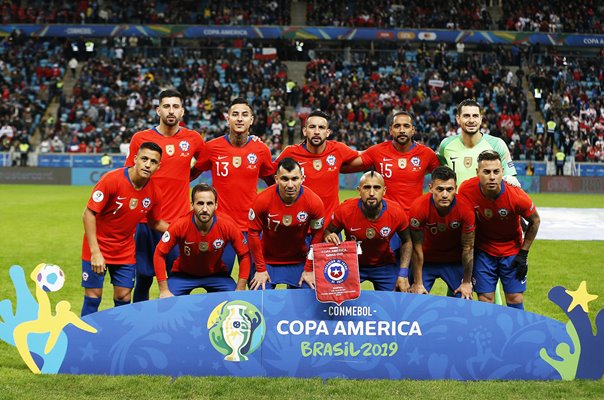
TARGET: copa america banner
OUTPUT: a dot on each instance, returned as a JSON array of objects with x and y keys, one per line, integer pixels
[
  {"x": 287, "y": 333},
  {"x": 336, "y": 270}
]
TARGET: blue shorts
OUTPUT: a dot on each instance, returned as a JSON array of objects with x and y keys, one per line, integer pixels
[
  {"x": 146, "y": 239},
  {"x": 452, "y": 274},
  {"x": 288, "y": 274},
  {"x": 180, "y": 284},
  {"x": 229, "y": 254},
  {"x": 121, "y": 275},
  {"x": 383, "y": 277},
  {"x": 488, "y": 268}
]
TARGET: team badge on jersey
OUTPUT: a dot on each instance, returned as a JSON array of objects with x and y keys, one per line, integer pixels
[
  {"x": 170, "y": 149},
  {"x": 236, "y": 161},
  {"x": 287, "y": 220},
  {"x": 503, "y": 212},
  {"x": 203, "y": 246},
  {"x": 336, "y": 271},
  {"x": 317, "y": 164},
  {"x": 184, "y": 145},
  {"x": 331, "y": 160},
  {"x": 218, "y": 243},
  {"x": 165, "y": 237},
  {"x": 385, "y": 231},
  {"x": 488, "y": 213},
  {"x": 467, "y": 162},
  {"x": 98, "y": 196},
  {"x": 302, "y": 216},
  {"x": 133, "y": 203},
  {"x": 370, "y": 233},
  {"x": 415, "y": 223},
  {"x": 252, "y": 158},
  {"x": 415, "y": 161},
  {"x": 146, "y": 202},
  {"x": 402, "y": 163},
  {"x": 251, "y": 215},
  {"x": 317, "y": 223},
  {"x": 442, "y": 227},
  {"x": 454, "y": 224}
]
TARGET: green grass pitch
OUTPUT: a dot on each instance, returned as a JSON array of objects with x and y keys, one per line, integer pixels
[{"x": 44, "y": 224}]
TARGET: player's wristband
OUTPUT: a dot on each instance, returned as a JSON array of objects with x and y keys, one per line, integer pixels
[{"x": 403, "y": 272}]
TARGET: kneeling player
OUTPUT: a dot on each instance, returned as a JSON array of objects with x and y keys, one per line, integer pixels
[
  {"x": 201, "y": 236},
  {"x": 502, "y": 253},
  {"x": 373, "y": 221},
  {"x": 442, "y": 230}
]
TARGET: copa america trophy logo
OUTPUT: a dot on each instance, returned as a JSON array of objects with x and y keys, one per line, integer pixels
[
  {"x": 236, "y": 328},
  {"x": 336, "y": 271}
]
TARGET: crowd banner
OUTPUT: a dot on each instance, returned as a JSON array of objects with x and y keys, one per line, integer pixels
[
  {"x": 336, "y": 270},
  {"x": 288, "y": 333}
]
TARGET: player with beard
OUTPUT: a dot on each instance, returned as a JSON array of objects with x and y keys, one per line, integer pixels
[
  {"x": 180, "y": 145},
  {"x": 201, "y": 237},
  {"x": 372, "y": 221},
  {"x": 321, "y": 160}
]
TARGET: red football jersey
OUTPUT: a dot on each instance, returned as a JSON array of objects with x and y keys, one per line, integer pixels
[
  {"x": 322, "y": 171},
  {"x": 374, "y": 236},
  {"x": 235, "y": 173},
  {"x": 403, "y": 172},
  {"x": 284, "y": 227},
  {"x": 172, "y": 177},
  {"x": 442, "y": 234},
  {"x": 119, "y": 208},
  {"x": 201, "y": 255},
  {"x": 498, "y": 230}
]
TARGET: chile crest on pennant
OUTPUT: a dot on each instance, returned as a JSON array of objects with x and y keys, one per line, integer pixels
[{"x": 336, "y": 271}]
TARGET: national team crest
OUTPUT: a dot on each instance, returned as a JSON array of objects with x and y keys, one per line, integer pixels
[
  {"x": 454, "y": 224},
  {"x": 336, "y": 271},
  {"x": 402, "y": 163},
  {"x": 203, "y": 246},
  {"x": 317, "y": 164},
  {"x": 287, "y": 220},
  {"x": 146, "y": 202},
  {"x": 184, "y": 145},
  {"x": 331, "y": 160},
  {"x": 467, "y": 162},
  {"x": 133, "y": 203},
  {"x": 218, "y": 243},
  {"x": 252, "y": 158},
  {"x": 488, "y": 213},
  {"x": 441, "y": 227},
  {"x": 370, "y": 233},
  {"x": 170, "y": 149},
  {"x": 415, "y": 161},
  {"x": 503, "y": 212},
  {"x": 302, "y": 216},
  {"x": 236, "y": 161},
  {"x": 385, "y": 231}
]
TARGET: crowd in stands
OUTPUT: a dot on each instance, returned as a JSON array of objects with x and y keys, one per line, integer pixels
[{"x": 208, "y": 12}]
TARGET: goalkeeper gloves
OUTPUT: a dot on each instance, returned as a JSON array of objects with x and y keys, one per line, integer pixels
[
  {"x": 512, "y": 181},
  {"x": 521, "y": 264}
]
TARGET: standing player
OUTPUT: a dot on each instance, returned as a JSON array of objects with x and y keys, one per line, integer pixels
[
  {"x": 201, "y": 236},
  {"x": 180, "y": 146},
  {"x": 373, "y": 221},
  {"x": 502, "y": 253},
  {"x": 119, "y": 201},
  {"x": 321, "y": 160},
  {"x": 284, "y": 213},
  {"x": 442, "y": 230},
  {"x": 236, "y": 161}
]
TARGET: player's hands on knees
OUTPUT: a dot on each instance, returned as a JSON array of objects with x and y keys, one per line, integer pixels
[
  {"x": 402, "y": 285},
  {"x": 418, "y": 288},
  {"x": 164, "y": 294},
  {"x": 97, "y": 262},
  {"x": 309, "y": 278},
  {"x": 332, "y": 238},
  {"x": 521, "y": 264},
  {"x": 259, "y": 280},
  {"x": 465, "y": 289}
]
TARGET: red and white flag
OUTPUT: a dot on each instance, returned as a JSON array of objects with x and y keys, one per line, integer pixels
[{"x": 336, "y": 271}]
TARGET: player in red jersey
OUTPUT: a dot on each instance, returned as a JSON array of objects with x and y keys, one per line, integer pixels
[
  {"x": 201, "y": 236},
  {"x": 321, "y": 160},
  {"x": 502, "y": 252},
  {"x": 442, "y": 230},
  {"x": 236, "y": 161},
  {"x": 373, "y": 221},
  {"x": 180, "y": 146},
  {"x": 119, "y": 201},
  {"x": 284, "y": 213}
]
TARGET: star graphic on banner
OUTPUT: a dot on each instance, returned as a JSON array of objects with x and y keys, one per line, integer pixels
[
  {"x": 88, "y": 352},
  {"x": 414, "y": 357},
  {"x": 580, "y": 297}
]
